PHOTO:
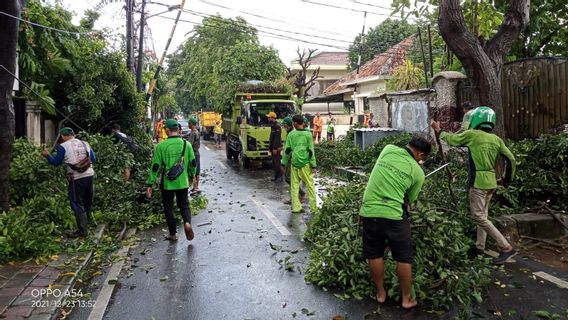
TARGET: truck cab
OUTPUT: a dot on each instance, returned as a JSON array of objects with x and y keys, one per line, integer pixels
[{"x": 248, "y": 127}]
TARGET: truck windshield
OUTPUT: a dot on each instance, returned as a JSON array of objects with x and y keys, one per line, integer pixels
[{"x": 256, "y": 112}]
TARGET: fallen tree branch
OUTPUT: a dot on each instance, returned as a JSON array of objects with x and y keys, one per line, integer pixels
[
  {"x": 558, "y": 245},
  {"x": 545, "y": 207}
]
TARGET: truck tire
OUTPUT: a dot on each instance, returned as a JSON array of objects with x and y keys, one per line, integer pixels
[
  {"x": 228, "y": 151},
  {"x": 246, "y": 161}
]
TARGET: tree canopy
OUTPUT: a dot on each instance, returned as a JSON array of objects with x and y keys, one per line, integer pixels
[
  {"x": 547, "y": 32},
  {"x": 220, "y": 54},
  {"x": 75, "y": 74},
  {"x": 379, "y": 39}
]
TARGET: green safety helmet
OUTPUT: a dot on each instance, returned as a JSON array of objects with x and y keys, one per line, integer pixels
[
  {"x": 306, "y": 121},
  {"x": 287, "y": 121},
  {"x": 483, "y": 117}
]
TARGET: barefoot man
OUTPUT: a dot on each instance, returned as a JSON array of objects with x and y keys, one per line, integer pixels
[{"x": 395, "y": 182}]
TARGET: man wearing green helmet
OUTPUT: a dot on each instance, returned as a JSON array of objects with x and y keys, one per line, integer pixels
[{"x": 484, "y": 147}]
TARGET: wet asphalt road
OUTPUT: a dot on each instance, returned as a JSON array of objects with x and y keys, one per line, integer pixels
[{"x": 230, "y": 271}]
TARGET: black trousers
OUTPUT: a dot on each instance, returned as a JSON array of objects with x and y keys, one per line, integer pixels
[
  {"x": 182, "y": 200},
  {"x": 276, "y": 162},
  {"x": 80, "y": 193}
]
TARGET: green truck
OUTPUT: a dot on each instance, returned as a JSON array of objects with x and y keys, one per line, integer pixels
[{"x": 247, "y": 127}]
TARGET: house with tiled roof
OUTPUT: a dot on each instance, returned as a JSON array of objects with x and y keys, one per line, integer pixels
[
  {"x": 371, "y": 78},
  {"x": 333, "y": 66}
]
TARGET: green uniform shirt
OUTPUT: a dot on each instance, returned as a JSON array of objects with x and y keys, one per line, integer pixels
[
  {"x": 166, "y": 156},
  {"x": 300, "y": 144},
  {"x": 395, "y": 182},
  {"x": 483, "y": 148},
  {"x": 330, "y": 127}
]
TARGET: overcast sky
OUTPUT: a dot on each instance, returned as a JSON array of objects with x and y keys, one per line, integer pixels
[{"x": 301, "y": 23}]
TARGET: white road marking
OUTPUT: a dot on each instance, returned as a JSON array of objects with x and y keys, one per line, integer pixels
[
  {"x": 541, "y": 274},
  {"x": 207, "y": 148},
  {"x": 222, "y": 165},
  {"x": 557, "y": 281},
  {"x": 279, "y": 226}
]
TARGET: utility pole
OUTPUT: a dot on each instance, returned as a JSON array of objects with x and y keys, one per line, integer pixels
[
  {"x": 152, "y": 85},
  {"x": 361, "y": 44},
  {"x": 423, "y": 58},
  {"x": 129, "y": 36},
  {"x": 430, "y": 52},
  {"x": 139, "y": 66}
]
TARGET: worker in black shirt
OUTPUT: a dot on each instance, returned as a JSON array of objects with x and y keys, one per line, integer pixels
[{"x": 275, "y": 146}]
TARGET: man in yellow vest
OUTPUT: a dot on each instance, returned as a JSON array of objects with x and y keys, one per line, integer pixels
[{"x": 218, "y": 131}]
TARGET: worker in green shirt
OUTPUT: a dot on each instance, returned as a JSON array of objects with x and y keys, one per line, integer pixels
[
  {"x": 484, "y": 147},
  {"x": 170, "y": 155},
  {"x": 395, "y": 182},
  {"x": 300, "y": 147}
]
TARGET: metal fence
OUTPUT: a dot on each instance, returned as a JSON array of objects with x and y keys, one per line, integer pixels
[{"x": 535, "y": 96}]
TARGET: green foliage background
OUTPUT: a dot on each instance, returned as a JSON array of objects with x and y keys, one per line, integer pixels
[
  {"x": 40, "y": 209},
  {"x": 378, "y": 39},
  {"x": 443, "y": 230},
  {"x": 221, "y": 53},
  {"x": 76, "y": 74}
]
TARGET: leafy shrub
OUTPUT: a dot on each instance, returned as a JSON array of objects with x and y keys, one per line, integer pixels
[
  {"x": 344, "y": 153},
  {"x": 441, "y": 263},
  {"x": 542, "y": 172},
  {"x": 443, "y": 231},
  {"x": 41, "y": 209},
  {"x": 30, "y": 174}
]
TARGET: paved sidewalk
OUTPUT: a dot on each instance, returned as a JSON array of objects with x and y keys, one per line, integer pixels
[{"x": 35, "y": 291}]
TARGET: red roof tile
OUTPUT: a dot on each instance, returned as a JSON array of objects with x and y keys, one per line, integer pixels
[
  {"x": 382, "y": 65},
  {"x": 330, "y": 58}
]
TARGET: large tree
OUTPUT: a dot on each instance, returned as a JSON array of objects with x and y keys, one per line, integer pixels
[
  {"x": 483, "y": 59},
  {"x": 9, "y": 40},
  {"x": 221, "y": 53},
  {"x": 378, "y": 40},
  {"x": 244, "y": 61}
]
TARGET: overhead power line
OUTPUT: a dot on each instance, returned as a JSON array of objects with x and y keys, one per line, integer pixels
[
  {"x": 346, "y": 8},
  {"x": 267, "y": 34},
  {"x": 40, "y": 96},
  {"x": 269, "y": 17},
  {"x": 47, "y": 27},
  {"x": 274, "y": 35},
  {"x": 370, "y": 5},
  {"x": 205, "y": 15}
]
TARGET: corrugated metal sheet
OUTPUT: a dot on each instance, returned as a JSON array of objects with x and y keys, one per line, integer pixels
[{"x": 535, "y": 96}]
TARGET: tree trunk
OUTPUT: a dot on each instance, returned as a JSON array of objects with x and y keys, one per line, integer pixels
[
  {"x": 9, "y": 40},
  {"x": 483, "y": 61}
]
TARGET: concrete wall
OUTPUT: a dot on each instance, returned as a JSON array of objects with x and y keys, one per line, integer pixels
[
  {"x": 445, "y": 108},
  {"x": 39, "y": 130},
  {"x": 33, "y": 122},
  {"x": 380, "y": 109},
  {"x": 365, "y": 90}
]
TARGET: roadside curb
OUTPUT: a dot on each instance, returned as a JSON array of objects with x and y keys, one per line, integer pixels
[
  {"x": 111, "y": 279},
  {"x": 64, "y": 284}
]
